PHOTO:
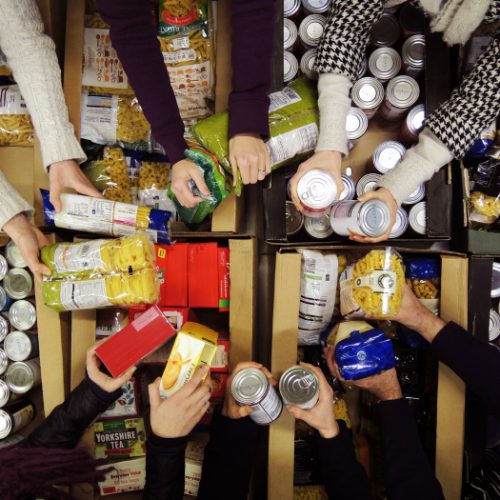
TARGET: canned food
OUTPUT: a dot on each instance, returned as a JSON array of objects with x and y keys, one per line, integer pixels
[
  {"x": 293, "y": 218},
  {"x": 4, "y": 362},
  {"x": 20, "y": 346},
  {"x": 401, "y": 93},
  {"x": 316, "y": 6},
  {"x": 22, "y": 376},
  {"x": 4, "y": 267},
  {"x": 412, "y": 20},
  {"x": 356, "y": 124},
  {"x": 18, "y": 283},
  {"x": 418, "y": 218},
  {"x": 299, "y": 386},
  {"x": 349, "y": 191},
  {"x": 363, "y": 68},
  {"x": 413, "y": 124},
  {"x": 4, "y": 327},
  {"x": 494, "y": 326},
  {"x": 416, "y": 196},
  {"x": 368, "y": 94},
  {"x": 368, "y": 182},
  {"x": 401, "y": 224},
  {"x": 251, "y": 387},
  {"x": 291, "y": 8},
  {"x": 385, "y": 32},
  {"x": 318, "y": 227},
  {"x": 413, "y": 55},
  {"x": 22, "y": 315},
  {"x": 5, "y": 300},
  {"x": 307, "y": 64},
  {"x": 316, "y": 191},
  {"x": 14, "y": 256},
  {"x": 6, "y": 396},
  {"x": 371, "y": 218},
  {"x": 388, "y": 155},
  {"x": 290, "y": 66},
  {"x": 16, "y": 417},
  {"x": 495, "y": 280},
  {"x": 290, "y": 34},
  {"x": 311, "y": 29},
  {"x": 384, "y": 63}
]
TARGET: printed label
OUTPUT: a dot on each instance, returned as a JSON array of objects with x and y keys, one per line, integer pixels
[
  {"x": 283, "y": 98},
  {"x": 181, "y": 42},
  {"x": 155, "y": 198},
  {"x": 23, "y": 417},
  {"x": 76, "y": 258},
  {"x": 99, "y": 119},
  {"x": 268, "y": 409},
  {"x": 11, "y": 101},
  {"x": 179, "y": 56},
  {"x": 348, "y": 305},
  {"x": 90, "y": 294},
  {"x": 285, "y": 146},
  {"x": 129, "y": 475}
]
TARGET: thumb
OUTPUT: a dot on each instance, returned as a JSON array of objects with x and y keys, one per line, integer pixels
[
  {"x": 370, "y": 195},
  {"x": 126, "y": 376},
  {"x": 200, "y": 182},
  {"x": 55, "y": 198},
  {"x": 154, "y": 394},
  {"x": 244, "y": 411},
  {"x": 234, "y": 170},
  {"x": 87, "y": 189}
]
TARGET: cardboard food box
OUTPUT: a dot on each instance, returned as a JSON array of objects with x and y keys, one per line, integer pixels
[
  {"x": 203, "y": 275},
  {"x": 127, "y": 405},
  {"x": 195, "y": 452},
  {"x": 220, "y": 363},
  {"x": 127, "y": 475},
  {"x": 224, "y": 281},
  {"x": 172, "y": 262},
  {"x": 120, "y": 438}
]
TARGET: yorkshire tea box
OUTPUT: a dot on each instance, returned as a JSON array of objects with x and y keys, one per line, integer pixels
[
  {"x": 126, "y": 475},
  {"x": 194, "y": 346},
  {"x": 120, "y": 438}
]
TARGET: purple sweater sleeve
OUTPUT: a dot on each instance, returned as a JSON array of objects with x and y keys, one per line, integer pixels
[{"x": 134, "y": 38}]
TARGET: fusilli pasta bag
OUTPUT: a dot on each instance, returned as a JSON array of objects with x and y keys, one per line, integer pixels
[{"x": 15, "y": 123}]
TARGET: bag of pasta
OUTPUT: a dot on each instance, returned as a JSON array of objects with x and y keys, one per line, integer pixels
[
  {"x": 485, "y": 198},
  {"x": 179, "y": 16},
  {"x": 423, "y": 276},
  {"x": 373, "y": 285},
  {"x": 153, "y": 184},
  {"x": 15, "y": 122}
]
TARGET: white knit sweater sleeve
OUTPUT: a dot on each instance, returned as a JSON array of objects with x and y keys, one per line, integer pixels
[
  {"x": 33, "y": 61},
  {"x": 11, "y": 202}
]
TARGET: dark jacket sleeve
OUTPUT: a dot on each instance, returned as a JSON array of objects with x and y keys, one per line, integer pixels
[
  {"x": 476, "y": 363},
  {"x": 343, "y": 476},
  {"x": 134, "y": 38},
  {"x": 165, "y": 468},
  {"x": 67, "y": 422},
  {"x": 232, "y": 449},
  {"x": 408, "y": 473}
]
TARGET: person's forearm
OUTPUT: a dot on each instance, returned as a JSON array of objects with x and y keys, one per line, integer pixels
[{"x": 12, "y": 207}]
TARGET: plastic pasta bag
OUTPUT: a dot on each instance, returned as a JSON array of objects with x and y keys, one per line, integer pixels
[
  {"x": 423, "y": 276},
  {"x": 179, "y": 16},
  {"x": 15, "y": 122},
  {"x": 484, "y": 209},
  {"x": 485, "y": 198}
]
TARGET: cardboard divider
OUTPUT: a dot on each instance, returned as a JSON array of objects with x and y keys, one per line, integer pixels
[{"x": 83, "y": 326}]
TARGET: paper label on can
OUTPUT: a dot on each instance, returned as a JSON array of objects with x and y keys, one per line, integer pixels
[
  {"x": 283, "y": 98},
  {"x": 379, "y": 282},
  {"x": 268, "y": 409},
  {"x": 11, "y": 101},
  {"x": 23, "y": 417},
  {"x": 90, "y": 294},
  {"x": 285, "y": 146},
  {"x": 76, "y": 258},
  {"x": 99, "y": 118}
]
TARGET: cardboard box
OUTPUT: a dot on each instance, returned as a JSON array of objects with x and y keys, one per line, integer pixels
[
  {"x": 127, "y": 405},
  {"x": 120, "y": 438},
  {"x": 220, "y": 363},
  {"x": 224, "y": 282},
  {"x": 203, "y": 275},
  {"x": 127, "y": 475},
  {"x": 173, "y": 264}
]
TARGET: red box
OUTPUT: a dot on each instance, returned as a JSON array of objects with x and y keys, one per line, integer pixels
[
  {"x": 138, "y": 339},
  {"x": 203, "y": 275},
  {"x": 173, "y": 264},
  {"x": 224, "y": 283},
  {"x": 176, "y": 316},
  {"x": 219, "y": 382},
  {"x": 220, "y": 362}
]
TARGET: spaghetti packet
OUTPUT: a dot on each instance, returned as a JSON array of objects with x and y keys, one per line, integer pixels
[{"x": 15, "y": 122}]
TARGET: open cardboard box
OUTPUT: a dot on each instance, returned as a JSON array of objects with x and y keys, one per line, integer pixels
[{"x": 451, "y": 390}]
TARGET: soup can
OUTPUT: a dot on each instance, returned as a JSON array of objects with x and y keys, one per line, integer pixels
[
  {"x": 494, "y": 326},
  {"x": 418, "y": 218},
  {"x": 16, "y": 417},
  {"x": 356, "y": 125},
  {"x": 299, "y": 386},
  {"x": 5, "y": 301},
  {"x": 22, "y": 315},
  {"x": 307, "y": 64},
  {"x": 367, "y": 94},
  {"x": 413, "y": 55},
  {"x": 368, "y": 182},
  {"x": 318, "y": 227},
  {"x": 495, "y": 280},
  {"x": 291, "y": 8},
  {"x": 363, "y": 67},
  {"x": 6, "y": 396},
  {"x": 4, "y": 267},
  {"x": 4, "y": 327},
  {"x": 316, "y": 6},
  {"x": 22, "y": 376},
  {"x": 14, "y": 256},
  {"x": 4, "y": 362},
  {"x": 290, "y": 66},
  {"x": 388, "y": 155},
  {"x": 293, "y": 218},
  {"x": 290, "y": 34},
  {"x": 384, "y": 63},
  {"x": 385, "y": 32},
  {"x": 251, "y": 387},
  {"x": 311, "y": 29},
  {"x": 413, "y": 124},
  {"x": 20, "y": 346},
  {"x": 401, "y": 224},
  {"x": 349, "y": 191},
  {"x": 401, "y": 94},
  {"x": 416, "y": 196},
  {"x": 18, "y": 283}
]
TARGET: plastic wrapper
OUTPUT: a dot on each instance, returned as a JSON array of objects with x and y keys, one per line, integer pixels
[
  {"x": 484, "y": 209},
  {"x": 373, "y": 285},
  {"x": 485, "y": 197},
  {"x": 483, "y": 142},
  {"x": 15, "y": 122},
  {"x": 423, "y": 276},
  {"x": 179, "y": 16},
  {"x": 95, "y": 215},
  {"x": 110, "y": 321}
]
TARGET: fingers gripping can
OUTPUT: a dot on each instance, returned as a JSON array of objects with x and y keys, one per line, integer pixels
[
  {"x": 251, "y": 387},
  {"x": 299, "y": 386}
]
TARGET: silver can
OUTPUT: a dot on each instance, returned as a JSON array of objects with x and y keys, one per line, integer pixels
[
  {"x": 4, "y": 362},
  {"x": 251, "y": 387},
  {"x": 363, "y": 68},
  {"x": 290, "y": 34},
  {"x": 356, "y": 124},
  {"x": 299, "y": 386},
  {"x": 22, "y": 376},
  {"x": 367, "y": 94},
  {"x": 6, "y": 396},
  {"x": 413, "y": 55},
  {"x": 371, "y": 218},
  {"x": 18, "y": 283},
  {"x": 22, "y": 315},
  {"x": 307, "y": 64},
  {"x": 418, "y": 218},
  {"x": 4, "y": 327},
  {"x": 388, "y": 155},
  {"x": 401, "y": 94},
  {"x": 349, "y": 191},
  {"x": 290, "y": 66},
  {"x": 4, "y": 267},
  {"x": 384, "y": 63},
  {"x": 413, "y": 124},
  {"x": 385, "y": 32},
  {"x": 316, "y": 191},
  {"x": 311, "y": 29},
  {"x": 14, "y": 256},
  {"x": 416, "y": 196},
  {"x": 401, "y": 225},
  {"x": 318, "y": 227},
  {"x": 291, "y": 8},
  {"x": 20, "y": 346},
  {"x": 368, "y": 182},
  {"x": 495, "y": 280},
  {"x": 316, "y": 6},
  {"x": 494, "y": 326},
  {"x": 5, "y": 300},
  {"x": 293, "y": 218},
  {"x": 16, "y": 417}
]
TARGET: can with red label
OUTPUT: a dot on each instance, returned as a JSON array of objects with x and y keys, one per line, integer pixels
[
  {"x": 384, "y": 63},
  {"x": 311, "y": 29},
  {"x": 367, "y": 94},
  {"x": 413, "y": 55},
  {"x": 401, "y": 94},
  {"x": 16, "y": 417},
  {"x": 388, "y": 155}
]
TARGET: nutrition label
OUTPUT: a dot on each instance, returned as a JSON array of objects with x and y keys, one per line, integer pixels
[
  {"x": 89, "y": 294},
  {"x": 77, "y": 258},
  {"x": 286, "y": 146},
  {"x": 268, "y": 410}
]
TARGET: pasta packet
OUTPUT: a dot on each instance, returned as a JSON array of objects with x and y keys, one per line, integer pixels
[
  {"x": 485, "y": 198},
  {"x": 179, "y": 16},
  {"x": 423, "y": 276},
  {"x": 15, "y": 122},
  {"x": 373, "y": 285},
  {"x": 484, "y": 209}
]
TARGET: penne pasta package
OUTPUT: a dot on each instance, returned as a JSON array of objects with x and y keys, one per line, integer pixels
[
  {"x": 15, "y": 122},
  {"x": 179, "y": 16}
]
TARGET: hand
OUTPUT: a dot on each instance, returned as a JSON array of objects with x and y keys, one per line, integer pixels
[
  {"x": 322, "y": 415},
  {"x": 182, "y": 172},
  {"x": 250, "y": 155},
  {"x": 67, "y": 174},
  {"x": 177, "y": 415},
  {"x": 105, "y": 382},
  {"x": 324, "y": 160},
  {"x": 385, "y": 196},
  {"x": 29, "y": 239},
  {"x": 231, "y": 408}
]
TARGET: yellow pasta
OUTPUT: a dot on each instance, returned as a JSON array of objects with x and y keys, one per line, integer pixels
[
  {"x": 153, "y": 175},
  {"x": 132, "y": 124},
  {"x": 16, "y": 130},
  {"x": 487, "y": 206},
  {"x": 180, "y": 8}
]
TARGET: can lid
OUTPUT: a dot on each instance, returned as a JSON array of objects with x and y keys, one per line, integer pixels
[
  {"x": 317, "y": 189},
  {"x": 298, "y": 385},
  {"x": 22, "y": 315},
  {"x": 18, "y": 283},
  {"x": 374, "y": 217},
  {"x": 19, "y": 377},
  {"x": 17, "y": 346},
  {"x": 367, "y": 93},
  {"x": 401, "y": 224},
  {"x": 311, "y": 28},
  {"x": 4, "y": 361},
  {"x": 416, "y": 196},
  {"x": 363, "y": 66},
  {"x": 384, "y": 63},
  {"x": 318, "y": 227},
  {"x": 290, "y": 66},
  {"x": 293, "y": 218},
  {"x": 402, "y": 91},
  {"x": 3, "y": 298},
  {"x": 5, "y": 424},
  {"x": 289, "y": 33},
  {"x": 4, "y": 328},
  {"x": 349, "y": 188},
  {"x": 368, "y": 182},
  {"x": 4, "y": 267},
  {"x": 385, "y": 32},
  {"x": 4, "y": 393},
  {"x": 307, "y": 64},
  {"x": 249, "y": 386},
  {"x": 388, "y": 155},
  {"x": 495, "y": 280},
  {"x": 356, "y": 123},
  {"x": 413, "y": 51},
  {"x": 14, "y": 256},
  {"x": 290, "y": 7},
  {"x": 418, "y": 217},
  {"x": 494, "y": 325},
  {"x": 316, "y": 6},
  {"x": 415, "y": 119}
]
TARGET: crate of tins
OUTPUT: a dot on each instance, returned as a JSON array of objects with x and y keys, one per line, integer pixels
[{"x": 387, "y": 112}]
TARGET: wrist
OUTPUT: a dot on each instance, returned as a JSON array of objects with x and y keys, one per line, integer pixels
[
  {"x": 389, "y": 394},
  {"x": 330, "y": 431},
  {"x": 15, "y": 226}
]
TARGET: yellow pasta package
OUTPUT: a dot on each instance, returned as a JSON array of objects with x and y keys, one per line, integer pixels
[
  {"x": 484, "y": 209},
  {"x": 15, "y": 123}
]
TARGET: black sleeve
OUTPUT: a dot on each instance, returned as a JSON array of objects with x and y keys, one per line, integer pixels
[
  {"x": 164, "y": 468},
  {"x": 343, "y": 476},
  {"x": 476, "y": 363},
  {"x": 232, "y": 449},
  {"x": 408, "y": 473}
]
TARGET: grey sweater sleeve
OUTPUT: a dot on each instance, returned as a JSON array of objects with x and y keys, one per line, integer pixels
[{"x": 11, "y": 202}]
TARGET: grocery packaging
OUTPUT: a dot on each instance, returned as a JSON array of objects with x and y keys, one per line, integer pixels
[
  {"x": 15, "y": 122},
  {"x": 220, "y": 363},
  {"x": 485, "y": 197},
  {"x": 343, "y": 330},
  {"x": 203, "y": 275},
  {"x": 125, "y": 475},
  {"x": 126, "y": 405},
  {"x": 172, "y": 262},
  {"x": 423, "y": 276},
  {"x": 120, "y": 438},
  {"x": 179, "y": 17}
]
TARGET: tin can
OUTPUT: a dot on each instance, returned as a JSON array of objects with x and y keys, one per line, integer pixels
[
  {"x": 418, "y": 218},
  {"x": 291, "y": 8},
  {"x": 385, "y": 32},
  {"x": 299, "y": 386},
  {"x": 16, "y": 417},
  {"x": 416, "y": 196},
  {"x": 384, "y": 63},
  {"x": 494, "y": 326},
  {"x": 4, "y": 327},
  {"x": 290, "y": 66},
  {"x": 371, "y": 218},
  {"x": 22, "y": 376},
  {"x": 368, "y": 182},
  {"x": 4, "y": 362},
  {"x": 401, "y": 224},
  {"x": 4, "y": 267},
  {"x": 316, "y": 6},
  {"x": 18, "y": 283},
  {"x": 5, "y": 300},
  {"x": 413, "y": 124},
  {"x": 411, "y": 20},
  {"x": 290, "y": 34},
  {"x": 388, "y": 155},
  {"x": 251, "y": 387},
  {"x": 318, "y": 227},
  {"x": 307, "y": 64},
  {"x": 356, "y": 124},
  {"x": 22, "y": 315},
  {"x": 20, "y": 346},
  {"x": 293, "y": 218},
  {"x": 349, "y": 191},
  {"x": 316, "y": 191},
  {"x": 400, "y": 95},
  {"x": 495, "y": 280},
  {"x": 14, "y": 256},
  {"x": 363, "y": 67},
  {"x": 367, "y": 94},
  {"x": 311, "y": 29},
  {"x": 413, "y": 55},
  {"x": 6, "y": 396}
]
